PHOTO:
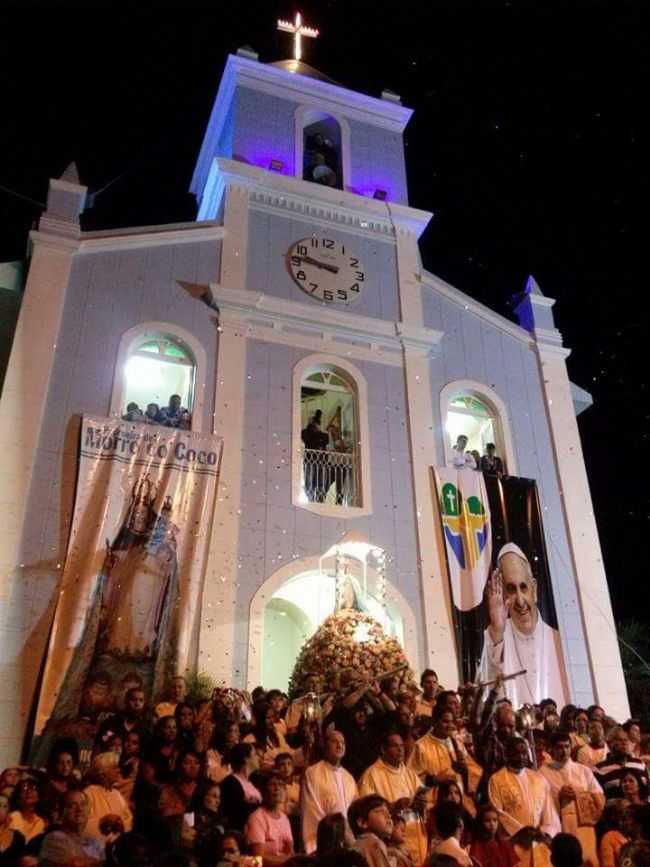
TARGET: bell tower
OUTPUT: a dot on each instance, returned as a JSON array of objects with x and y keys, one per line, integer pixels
[
  {"x": 289, "y": 119},
  {"x": 319, "y": 284}
]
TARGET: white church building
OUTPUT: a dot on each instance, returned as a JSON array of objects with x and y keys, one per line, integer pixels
[{"x": 324, "y": 306}]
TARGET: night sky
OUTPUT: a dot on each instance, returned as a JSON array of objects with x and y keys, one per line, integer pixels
[{"x": 528, "y": 143}]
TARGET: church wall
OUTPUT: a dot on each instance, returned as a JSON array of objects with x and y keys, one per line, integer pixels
[
  {"x": 270, "y": 238},
  {"x": 377, "y": 162},
  {"x": 226, "y": 138},
  {"x": 274, "y": 531},
  {"x": 264, "y": 129},
  {"x": 108, "y": 293},
  {"x": 474, "y": 349}
]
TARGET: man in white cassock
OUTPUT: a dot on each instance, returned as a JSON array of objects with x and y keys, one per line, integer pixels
[
  {"x": 327, "y": 788},
  {"x": 401, "y": 787},
  {"x": 517, "y": 638},
  {"x": 577, "y": 795},
  {"x": 522, "y": 799}
]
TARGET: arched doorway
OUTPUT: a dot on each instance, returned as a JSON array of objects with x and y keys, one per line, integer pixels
[
  {"x": 286, "y": 628},
  {"x": 293, "y": 602}
]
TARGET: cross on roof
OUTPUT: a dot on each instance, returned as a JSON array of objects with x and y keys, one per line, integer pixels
[{"x": 299, "y": 30}]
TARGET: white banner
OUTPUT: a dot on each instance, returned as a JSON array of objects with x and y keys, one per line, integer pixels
[
  {"x": 465, "y": 515},
  {"x": 129, "y": 604}
]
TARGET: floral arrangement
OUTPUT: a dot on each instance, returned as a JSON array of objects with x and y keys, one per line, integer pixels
[{"x": 348, "y": 646}]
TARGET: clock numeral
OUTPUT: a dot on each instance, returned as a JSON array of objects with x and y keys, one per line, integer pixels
[
  {"x": 360, "y": 276},
  {"x": 301, "y": 275},
  {"x": 354, "y": 263},
  {"x": 302, "y": 250},
  {"x": 342, "y": 294},
  {"x": 314, "y": 242},
  {"x": 314, "y": 286},
  {"x": 328, "y": 244},
  {"x": 354, "y": 287},
  {"x": 328, "y": 295},
  {"x": 295, "y": 261}
]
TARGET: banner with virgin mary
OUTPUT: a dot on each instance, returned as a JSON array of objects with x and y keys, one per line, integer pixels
[{"x": 129, "y": 604}]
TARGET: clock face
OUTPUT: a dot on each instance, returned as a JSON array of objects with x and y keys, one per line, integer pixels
[{"x": 326, "y": 269}]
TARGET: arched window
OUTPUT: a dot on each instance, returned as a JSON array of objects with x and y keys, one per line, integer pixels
[
  {"x": 322, "y": 148},
  {"x": 477, "y": 413},
  {"x": 331, "y": 471},
  {"x": 157, "y": 368}
]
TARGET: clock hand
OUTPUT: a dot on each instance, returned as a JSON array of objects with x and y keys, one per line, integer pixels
[{"x": 334, "y": 269}]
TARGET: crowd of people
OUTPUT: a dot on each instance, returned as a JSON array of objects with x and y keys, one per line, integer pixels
[
  {"x": 172, "y": 415},
  {"x": 380, "y": 774},
  {"x": 490, "y": 462}
]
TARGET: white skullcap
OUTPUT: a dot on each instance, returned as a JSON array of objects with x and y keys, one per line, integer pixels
[{"x": 511, "y": 548}]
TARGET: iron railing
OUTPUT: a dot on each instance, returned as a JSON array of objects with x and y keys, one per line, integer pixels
[{"x": 330, "y": 477}]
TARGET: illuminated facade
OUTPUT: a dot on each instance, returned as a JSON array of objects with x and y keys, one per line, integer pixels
[{"x": 306, "y": 238}]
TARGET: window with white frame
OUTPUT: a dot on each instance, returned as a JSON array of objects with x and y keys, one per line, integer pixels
[
  {"x": 472, "y": 415},
  {"x": 159, "y": 381},
  {"x": 329, "y": 429}
]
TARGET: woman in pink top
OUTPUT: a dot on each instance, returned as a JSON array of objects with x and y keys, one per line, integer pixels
[{"x": 268, "y": 831}]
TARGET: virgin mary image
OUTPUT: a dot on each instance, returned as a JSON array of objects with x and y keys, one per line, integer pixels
[
  {"x": 130, "y": 626},
  {"x": 137, "y": 576}
]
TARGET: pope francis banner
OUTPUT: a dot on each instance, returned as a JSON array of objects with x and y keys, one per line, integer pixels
[
  {"x": 129, "y": 604},
  {"x": 500, "y": 585}
]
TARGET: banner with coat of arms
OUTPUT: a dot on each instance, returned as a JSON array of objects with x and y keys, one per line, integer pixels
[{"x": 465, "y": 516}]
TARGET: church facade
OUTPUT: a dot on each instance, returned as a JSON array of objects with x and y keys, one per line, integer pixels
[{"x": 327, "y": 326}]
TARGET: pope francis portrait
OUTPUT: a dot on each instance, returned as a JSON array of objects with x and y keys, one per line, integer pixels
[{"x": 517, "y": 637}]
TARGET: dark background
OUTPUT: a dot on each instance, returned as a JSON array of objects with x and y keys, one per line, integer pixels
[{"x": 528, "y": 142}]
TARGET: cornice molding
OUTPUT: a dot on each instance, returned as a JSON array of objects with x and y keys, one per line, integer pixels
[
  {"x": 150, "y": 236},
  {"x": 50, "y": 225},
  {"x": 68, "y": 187},
  {"x": 347, "y": 334},
  {"x": 539, "y": 300},
  {"x": 62, "y": 243},
  {"x": 549, "y": 345},
  {"x": 417, "y": 340},
  {"x": 328, "y": 95},
  {"x": 552, "y": 351},
  {"x": 548, "y": 336},
  {"x": 322, "y": 205},
  {"x": 459, "y": 298}
]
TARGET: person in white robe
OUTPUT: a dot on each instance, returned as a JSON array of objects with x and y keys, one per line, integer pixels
[
  {"x": 401, "y": 787},
  {"x": 458, "y": 458},
  {"x": 327, "y": 788},
  {"x": 517, "y": 638},
  {"x": 596, "y": 750},
  {"x": 522, "y": 799},
  {"x": 577, "y": 795}
]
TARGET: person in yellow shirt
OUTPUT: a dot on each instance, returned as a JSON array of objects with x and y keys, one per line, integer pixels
[
  {"x": 400, "y": 786},
  {"x": 430, "y": 689}
]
